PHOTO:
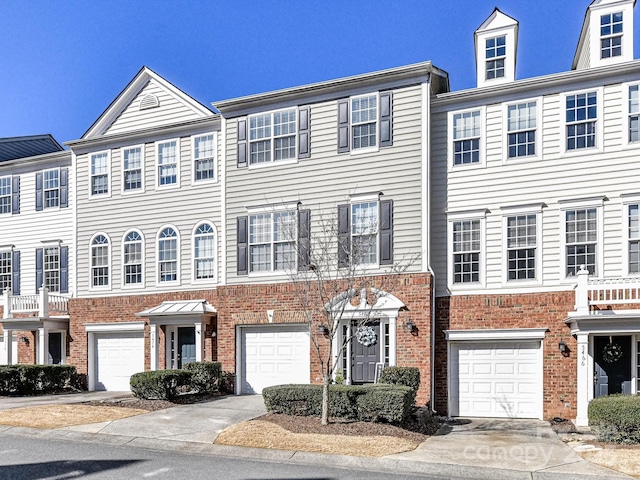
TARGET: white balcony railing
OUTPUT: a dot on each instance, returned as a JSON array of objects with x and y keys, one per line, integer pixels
[
  {"x": 611, "y": 291},
  {"x": 41, "y": 304}
]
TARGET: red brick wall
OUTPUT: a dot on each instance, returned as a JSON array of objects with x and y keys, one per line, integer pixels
[{"x": 536, "y": 310}]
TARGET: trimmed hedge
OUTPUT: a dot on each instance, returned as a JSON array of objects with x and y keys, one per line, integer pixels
[
  {"x": 159, "y": 384},
  {"x": 205, "y": 376},
  {"x": 37, "y": 379},
  {"x": 367, "y": 403},
  {"x": 616, "y": 418}
]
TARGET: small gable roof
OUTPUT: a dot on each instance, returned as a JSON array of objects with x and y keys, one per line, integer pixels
[
  {"x": 496, "y": 20},
  {"x": 196, "y": 109},
  {"x": 12, "y": 148}
]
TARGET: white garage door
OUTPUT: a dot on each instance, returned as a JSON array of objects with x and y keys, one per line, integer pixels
[
  {"x": 274, "y": 355},
  {"x": 118, "y": 356},
  {"x": 499, "y": 379}
]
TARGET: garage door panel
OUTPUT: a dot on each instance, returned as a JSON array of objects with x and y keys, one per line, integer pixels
[
  {"x": 118, "y": 356},
  {"x": 505, "y": 369}
]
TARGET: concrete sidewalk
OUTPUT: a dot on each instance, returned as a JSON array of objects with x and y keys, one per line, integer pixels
[{"x": 476, "y": 448}]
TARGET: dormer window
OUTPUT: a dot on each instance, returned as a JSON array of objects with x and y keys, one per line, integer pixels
[
  {"x": 611, "y": 35},
  {"x": 496, "y": 51}
]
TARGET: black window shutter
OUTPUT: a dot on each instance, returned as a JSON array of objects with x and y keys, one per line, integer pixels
[
  {"x": 304, "y": 132},
  {"x": 64, "y": 269},
  {"x": 386, "y": 119},
  {"x": 64, "y": 188},
  {"x": 243, "y": 245},
  {"x": 15, "y": 195},
  {"x": 15, "y": 273},
  {"x": 304, "y": 240},
  {"x": 242, "y": 143},
  {"x": 39, "y": 268},
  {"x": 39, "y": 193},
  {"x": 386, "y": 232},
  {"x": 343, "y": 126},
  {"x": 344, "y": 234}
]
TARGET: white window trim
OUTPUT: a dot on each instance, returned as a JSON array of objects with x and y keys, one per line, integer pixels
[
  {"x": 157, "y": 164},
  {"x": 504, "y": 57},
  {"x": 10, "y": 177},
  {"x": 626, "y": 114},
  {"x": 215, "y": 159},
  {"x": 505, "y": 132},
  {"x": 44, "y": 190},
  {"x": 356, "y": 200},
  {"x": 178, "y": 259},
  {"x": 512, "y": 211},
  {"x": 195, "y": 280},
  {"x": 452, "y": 217},
  {"x": 133, "y": 286},
  {"x": 97, "y": 195},
  {"x": 9, "y": 249},
  {"x": 109, "y": 263},
  {"x": 564, "y": 151},
  {"x": 273, "y": 162},
  {"x": 580, "y": 204},
  {"x": 481, "y": 143},
  {"x": 122, "y": 170},
  {"x": 376, "y": 148},
  {"x": 270, "y": 210}
]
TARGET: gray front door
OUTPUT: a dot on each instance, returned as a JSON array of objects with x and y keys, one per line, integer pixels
[
  {"x": 186, "y": 345},
  {"x": 55, "y": 348},
  {"x": 363, "y": 357},
  {"x": 612, "y": 373}
]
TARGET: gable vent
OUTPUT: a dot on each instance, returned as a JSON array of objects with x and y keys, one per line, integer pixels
[{"x": 149, "y": 101}]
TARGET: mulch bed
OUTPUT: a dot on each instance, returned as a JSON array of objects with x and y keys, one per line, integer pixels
[{"x": 153, "y": 405}]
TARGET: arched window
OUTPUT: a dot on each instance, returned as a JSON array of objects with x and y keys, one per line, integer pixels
[
  {"x": 132, "y": 249},
  {"x": 204, "y": 252},
  {"x": 167, "y": 255},
  {"x": 100, "y": 261}
]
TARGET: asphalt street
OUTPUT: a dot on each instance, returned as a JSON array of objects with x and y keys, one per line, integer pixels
[{"x": 28, "y": 458}]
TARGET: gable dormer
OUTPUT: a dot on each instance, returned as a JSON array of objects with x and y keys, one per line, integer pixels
[
  {"x": 496, "y": 42},
  {"x": 606, "y": 37}
]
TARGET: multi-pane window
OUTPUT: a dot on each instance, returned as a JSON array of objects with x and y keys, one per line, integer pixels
[
  {"x": 521, "y": 124},
  {"x": 51, "y": 268},
  {"x": 521, "y": 247},
  {"x": 582, "y": 113},
  {"x": 51, "y": 187},
  {"x": 5, "y": 194},
  {"x": 5, "y": 270},
  {"x": 634, "y": 238},
  {"x": 364, "y": 232},
  {"x": 364, "y": 121},
  {"x": 167, "y": 163},
  {"x": 271, "y": 241},
  {"x": 496, "y": 51},
  {"x": 100, "y": 261},
  {"x": 581, "y": 241},
  {"x": 168, "y": 255},
  {"x": 132, "y": 168},
  {"x": 466, "y": 138},
  {"x": 99, "y": 173},
  {"x": 204, "y": 250},
  {"x": 611, "y": 35},
  {"x": 634, "y": 114},
  {"x": 466, "y": 251},
  {"x": 203, "y": 157},
  {"x": 272, "y": 136},
  {"x": 132, "y": 258}
]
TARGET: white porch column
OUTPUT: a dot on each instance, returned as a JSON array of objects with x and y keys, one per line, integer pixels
[
  {"x": 153, "y": 346},
  {"x": 199, "y": 342},
  {"x": 7, "y": 347},
  {"x": 582, "y": 294},
  {"x": 43, "y": 308},
  {"x": 393, "y": 340},
  {"x": 6, "y": 304},
  {"x": 43, "y": 346},
  {"x": 585, "y": 380}
]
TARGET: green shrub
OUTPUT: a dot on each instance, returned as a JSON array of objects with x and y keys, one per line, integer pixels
[
  {"x": 228, "y": 382},
  {"x": 367, "y": 403},
  {"x": 616, "y": 418},
  {"x": 159, "y": 384},
  {"x": 407, "y": 376},
  {"x": 205, "y": 376},
  {"x": 37, "y": 379}
]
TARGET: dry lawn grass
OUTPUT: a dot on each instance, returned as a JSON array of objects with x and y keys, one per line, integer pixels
[
  {"x": 620, "y": 458},
  {"x": 57, "y": 416},
  {"x": 264, "y": 434}
]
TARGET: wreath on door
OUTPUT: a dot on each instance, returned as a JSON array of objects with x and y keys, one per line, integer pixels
[
  {"x": 366, "y": 336},
  {"x": 612, "y": 352}
]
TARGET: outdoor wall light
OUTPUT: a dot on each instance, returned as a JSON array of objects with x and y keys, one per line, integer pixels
[
  {"x": 24, "y": 340},
  {"x": 323, "y": 330},
  {"x": 563, "y": 347},
  {"x": 410, "y": 326}
]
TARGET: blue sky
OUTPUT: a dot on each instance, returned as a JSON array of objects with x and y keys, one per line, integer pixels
[{"x": 65, "y": 61}]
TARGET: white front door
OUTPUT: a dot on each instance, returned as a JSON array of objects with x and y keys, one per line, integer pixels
[{"x": 496, "y": 379}]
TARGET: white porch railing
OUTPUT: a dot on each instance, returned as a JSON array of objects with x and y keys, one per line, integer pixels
[
  {"x": 43, "y": 303},
  {"x": 611, "y": 291}
]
